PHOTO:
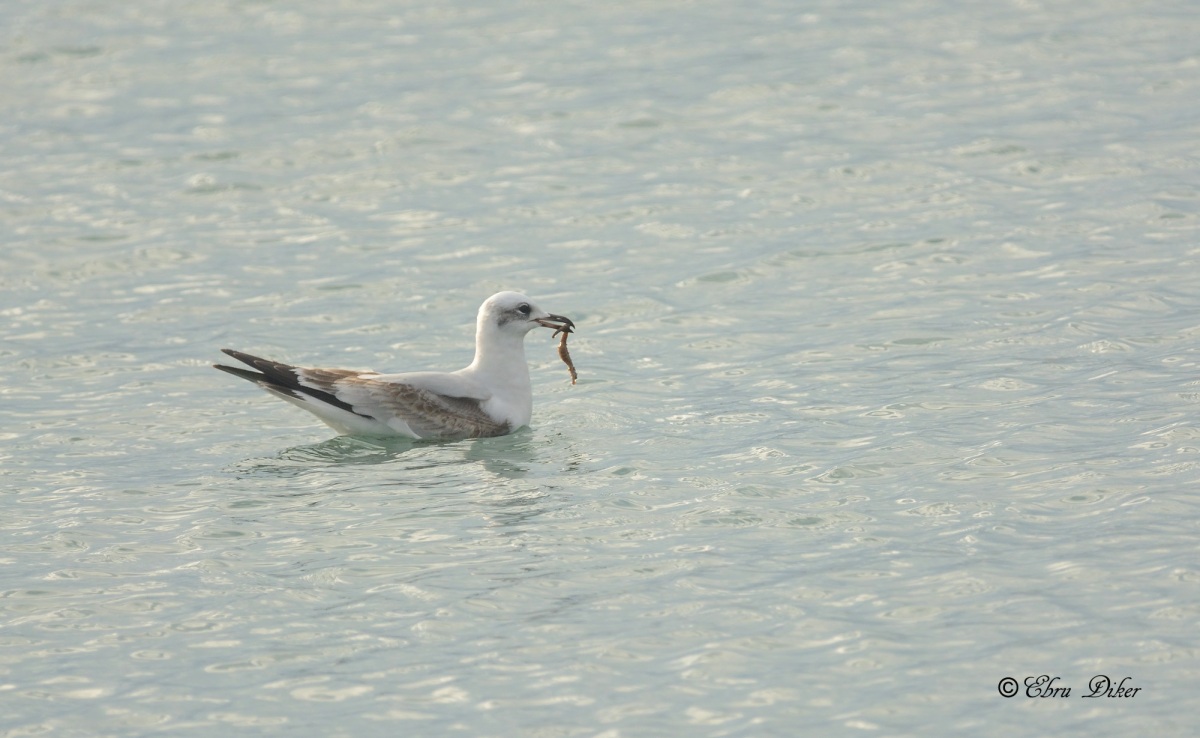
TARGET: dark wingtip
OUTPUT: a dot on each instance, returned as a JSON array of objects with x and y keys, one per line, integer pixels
[
  {"x": 243, "y": 373},
  {"x": 240, "y": 356},
  {"x": 284, "y": 379}
]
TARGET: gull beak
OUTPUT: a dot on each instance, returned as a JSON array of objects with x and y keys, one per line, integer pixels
[{"x": 558, "y": 322}]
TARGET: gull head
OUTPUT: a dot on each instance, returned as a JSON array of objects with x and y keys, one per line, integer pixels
[{"x": 511, "y": 313}]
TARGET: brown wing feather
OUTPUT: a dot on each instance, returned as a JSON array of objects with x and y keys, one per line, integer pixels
[{"x": 428, "y": 414}]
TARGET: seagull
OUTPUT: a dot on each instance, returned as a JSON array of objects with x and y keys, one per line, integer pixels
[{"x": 489, "y": 397}]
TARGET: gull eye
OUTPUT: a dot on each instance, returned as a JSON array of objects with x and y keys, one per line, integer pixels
[{"x": 524, "y": 308}]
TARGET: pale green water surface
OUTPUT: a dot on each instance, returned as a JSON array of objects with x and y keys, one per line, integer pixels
[{"x": 889, "y": 382}]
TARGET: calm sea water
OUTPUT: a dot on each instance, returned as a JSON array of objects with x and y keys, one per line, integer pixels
[{"x": 888, "y": 315}]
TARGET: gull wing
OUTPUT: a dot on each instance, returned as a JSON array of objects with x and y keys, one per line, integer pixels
[
  {"x": 424, "y": 412},
  {"x": 421, "y": 404}
]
